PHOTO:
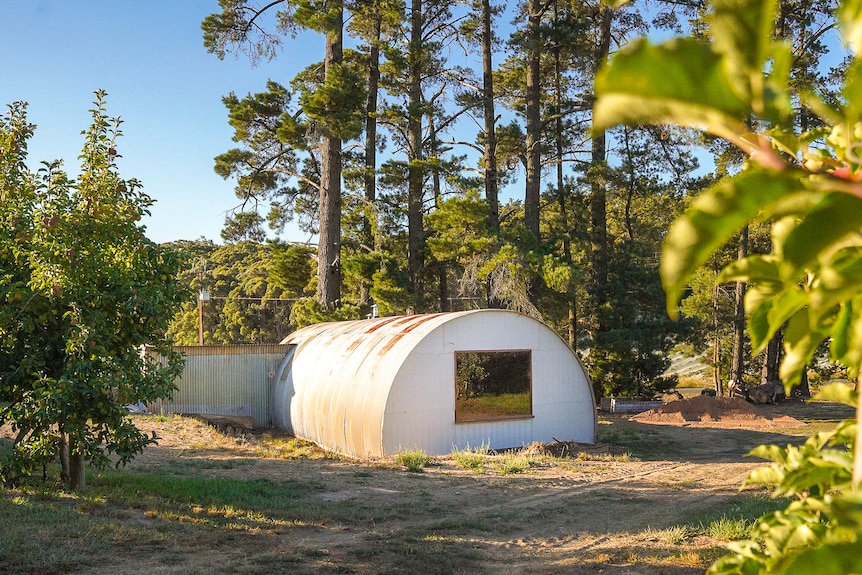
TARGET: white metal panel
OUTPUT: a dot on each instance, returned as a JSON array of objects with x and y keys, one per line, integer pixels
[{"x": 421, "y": 408}]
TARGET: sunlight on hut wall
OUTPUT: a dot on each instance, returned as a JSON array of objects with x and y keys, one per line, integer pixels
[{"x": 379, "y": 386}]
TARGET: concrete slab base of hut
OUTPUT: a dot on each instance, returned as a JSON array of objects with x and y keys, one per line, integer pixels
[{"x": 227, "y": 424}]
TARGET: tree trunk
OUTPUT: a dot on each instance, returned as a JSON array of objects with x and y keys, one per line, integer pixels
[
  {"x": 63, "y": 449},
  {"x": 738, "y": 359},
  {"x": 416, "y": 170},
  {"x": 572, "y": 323},
  {"x": 329, "y": 248},
  {"x": 533, "y": 119},
  {"x": 443, "y": 288},
  {"x": 803, "y": 389},
  {"x": 717, "y": 382},
  {"x": 857, "y": 450},
  {"x": 442, "y": 276},
  {"x": 772, "y": 358},
  {"x": 370, "y": 173},
  {"x": 490, "y": 152},
  {"x": 598, "y": 194},
  {"x": 77, "y": 466},
  {"x": 630, "y": 188}
]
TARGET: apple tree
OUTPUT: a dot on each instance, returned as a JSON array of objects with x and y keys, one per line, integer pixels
[{"x": 85, "y": 302}]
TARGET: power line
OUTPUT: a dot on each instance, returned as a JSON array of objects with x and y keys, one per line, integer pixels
[{"x": 261, "y": 299}]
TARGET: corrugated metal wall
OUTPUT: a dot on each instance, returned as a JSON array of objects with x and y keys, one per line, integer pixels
[
  {"x": 378, "y": 386},
  {"x": 227, "y": 380}
]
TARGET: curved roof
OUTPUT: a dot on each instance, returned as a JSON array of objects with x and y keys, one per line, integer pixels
[{"x": 376, "y": 386}]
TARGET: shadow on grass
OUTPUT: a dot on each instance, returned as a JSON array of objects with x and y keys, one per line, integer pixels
[
  {"x": 727, "y": 444},
  {"x": 124, "y": 518}
]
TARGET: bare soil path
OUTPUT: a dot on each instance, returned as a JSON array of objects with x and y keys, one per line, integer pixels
[
  {"x": 600, "y": 513},
  {"x": 638, "y": 502}
]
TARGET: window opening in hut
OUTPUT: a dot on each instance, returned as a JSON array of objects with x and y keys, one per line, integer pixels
[{"x": 492, "y": 385}]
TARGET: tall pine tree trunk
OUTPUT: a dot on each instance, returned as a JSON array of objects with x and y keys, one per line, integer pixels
[
  {"x": 63, "y": 449},
  {"x": 533, "y": 119},
  {"x": 571, "y": 295},
  {"x": 738, "y": 358},
  {"x": 772, "y": 358},
  {"x": 370, "y": 173},
  {"x": 490, "y": 152},
  {"x": 717, "y": 381},
  {"x": 442, "y": 275},
  {"x": 599, "y": 248},
  {"x": 329, "y": 248},
  {"x": 416, "y": 171}
]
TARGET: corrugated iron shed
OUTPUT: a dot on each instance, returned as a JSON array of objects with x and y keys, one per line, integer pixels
[
  {"x": 378, "y": 386},
  {"x": 233, "y": 380}
]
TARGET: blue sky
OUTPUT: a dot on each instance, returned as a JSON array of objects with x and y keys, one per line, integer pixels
[{"x": 166, "y": 87}]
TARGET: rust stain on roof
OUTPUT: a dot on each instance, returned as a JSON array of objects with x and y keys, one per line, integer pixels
[
  {"x": 391, "y": 343},
  {"x": 400, "y": 326},
  {"x": 382, "y": 323}
]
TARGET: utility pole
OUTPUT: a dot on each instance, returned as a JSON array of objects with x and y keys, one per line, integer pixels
[{"x": 203, "y": 295}]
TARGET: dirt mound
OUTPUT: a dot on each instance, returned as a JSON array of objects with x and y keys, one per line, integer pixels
[{"x": 715, "y": 412}]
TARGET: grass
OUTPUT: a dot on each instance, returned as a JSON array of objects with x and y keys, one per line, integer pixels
[
  {"x": 702, "y": 379},
  {"x": 270, "y": 447},
  {"x": 675, "y": 535},
  {"x": 737, "y": 520},
  {"x": 124, "y": 515},
  {"x": 606, "y": 457},
  {"x": 475, "y": 459},
  {"x": 198, "y": 512},
  {"x": 414, "y": 460},
  {"x": 482, "y": 460},
  {"x": 729, "y": 528},
  {"x": 509, "y": 463}
]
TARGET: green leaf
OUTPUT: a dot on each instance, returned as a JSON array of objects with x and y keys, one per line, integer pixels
[
  {"x": 847, "y": 335},
  {"x": 767, "y": 314},
  {"x": 847, "y": 509},
  {"x": 756, "y": 269},
  {"x": 770, "y": 452},
  {"x": 767, "y": 301},
  {"x": 765, "y": 476},
  {"x": 801, "y": 339},
  {"x": 742, "y": 32},
  {"x": 716, "y": 215},
  {"x": 852, "y": 92},
  {"x": 850, "y": 16},
  {"x": 824, "y": 228},
  {"x": 692, "y": 89},
  {"x": 838, "y": 281},
  {"x": 835, "y": 559},
  {"x": 839, "y": 392}
]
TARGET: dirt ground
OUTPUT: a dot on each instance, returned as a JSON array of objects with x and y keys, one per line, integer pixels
[
  {"x": 599, "y": 513},
  {"x": 602, "y": 511}
]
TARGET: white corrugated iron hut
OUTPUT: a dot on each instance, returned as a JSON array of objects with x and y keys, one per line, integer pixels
[{"x": 434, "y": 382}]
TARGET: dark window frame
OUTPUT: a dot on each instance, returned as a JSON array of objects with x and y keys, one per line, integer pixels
[{"x": 472, "y": 416}]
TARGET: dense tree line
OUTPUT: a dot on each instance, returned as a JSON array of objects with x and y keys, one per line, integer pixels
[{"x": 445, "y": 164}]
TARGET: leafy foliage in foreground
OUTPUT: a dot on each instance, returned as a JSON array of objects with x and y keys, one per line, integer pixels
[
  {"x": 806, "y": 183},
  {"x": 818, "y": 532}
]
